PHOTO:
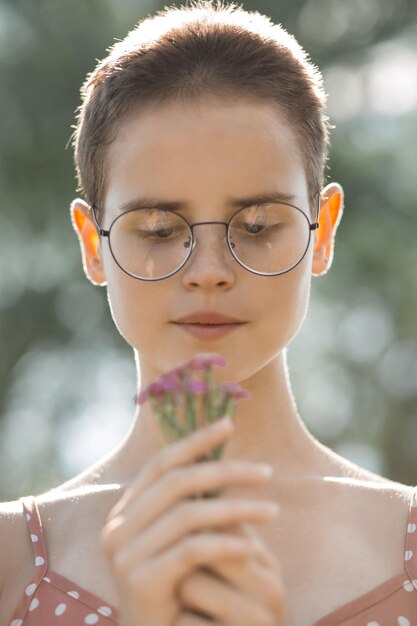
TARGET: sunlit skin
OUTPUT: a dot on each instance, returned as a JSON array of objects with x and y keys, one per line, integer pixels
[{"x": 202, "y": 153}]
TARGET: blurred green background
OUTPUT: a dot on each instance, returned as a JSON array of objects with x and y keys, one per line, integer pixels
[{"x": 66, "y": 376}]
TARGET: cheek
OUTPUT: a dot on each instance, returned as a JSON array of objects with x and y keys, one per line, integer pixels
[
  {"x": 285, "y": 305},
  {"x": 132, "y": 306},
  {"x": 298, "y": 286}
]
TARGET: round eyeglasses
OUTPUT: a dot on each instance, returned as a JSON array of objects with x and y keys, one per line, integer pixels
[{"x": 153, "y": 244}]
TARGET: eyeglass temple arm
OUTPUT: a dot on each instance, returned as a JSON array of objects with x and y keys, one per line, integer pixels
[
  {"x": 101, "y": 232},
  {"x": 316, "y": 225}
]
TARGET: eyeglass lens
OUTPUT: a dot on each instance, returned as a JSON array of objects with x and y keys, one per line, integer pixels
[{"x": 153, "y": 243}]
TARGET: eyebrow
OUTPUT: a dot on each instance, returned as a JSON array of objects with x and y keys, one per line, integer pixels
[{"x": 231, "y": 203}]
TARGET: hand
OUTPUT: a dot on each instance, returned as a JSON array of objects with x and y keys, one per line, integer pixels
[
  {"x": 157, "y": 533},
  {"x": 234, "y": 593}
]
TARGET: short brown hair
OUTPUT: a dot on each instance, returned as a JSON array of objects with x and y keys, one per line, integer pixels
[{"x": 182, "y": 53}]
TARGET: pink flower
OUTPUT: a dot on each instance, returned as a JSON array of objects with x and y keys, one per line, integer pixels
[
  {"x": 194, "y": 386},
  {"x": 182, "y": 402},
  {"x": 169, "y": 382},
  {"x": 237, "y": 392}
]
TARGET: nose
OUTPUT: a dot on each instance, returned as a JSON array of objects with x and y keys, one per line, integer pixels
[{"x": 211, "y": 262}]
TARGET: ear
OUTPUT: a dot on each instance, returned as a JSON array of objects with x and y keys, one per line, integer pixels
[
  {"x": 331, "y": 211},
  {"x": 84, "y": 225}
]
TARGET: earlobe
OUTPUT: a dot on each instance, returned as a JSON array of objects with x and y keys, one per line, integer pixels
[
  {"x": 89, "y": 240},
  {"x": 331, "y": 211}
]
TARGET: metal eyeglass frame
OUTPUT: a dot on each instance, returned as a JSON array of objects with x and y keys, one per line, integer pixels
[{"x": 106, "y": 233}]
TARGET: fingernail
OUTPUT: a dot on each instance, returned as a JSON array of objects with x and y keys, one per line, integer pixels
[
  {"x": 265, "y": 470},
  {"x": 273, "y": 508}
]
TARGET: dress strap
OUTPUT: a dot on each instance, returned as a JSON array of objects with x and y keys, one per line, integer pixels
[
  {"x": 34, "y": 524},
  {"x": 410, "y": 557}
]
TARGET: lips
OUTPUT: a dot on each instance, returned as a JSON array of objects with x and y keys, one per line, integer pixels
[{"x": 208, "y": 318}]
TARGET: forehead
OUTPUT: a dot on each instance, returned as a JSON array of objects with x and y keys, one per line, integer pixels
[{"x": 204, "y": 151}]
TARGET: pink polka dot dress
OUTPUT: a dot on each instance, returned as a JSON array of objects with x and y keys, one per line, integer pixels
[{"x": 50, "y": 599}]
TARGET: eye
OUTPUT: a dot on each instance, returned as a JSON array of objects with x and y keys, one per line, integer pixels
[
  {"x": 254, "y": 229},
  {"x": 163, "y": 233}
]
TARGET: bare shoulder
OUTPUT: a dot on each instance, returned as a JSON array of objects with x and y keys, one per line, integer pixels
[
  {"x": 74, "y": 517},
  {"x": 373, "y": 516},
  {"x": 92, "y": 501},
  {"x": 12, "y": 529},
  {"x": 368, "y": 496},
  {"x": 376, "y": 499},
  {"x": 347, "y": 533},
  {"x": 71, "y": 522}
]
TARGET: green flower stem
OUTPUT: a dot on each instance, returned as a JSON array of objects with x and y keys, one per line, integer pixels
[
  {"x": 226, "y": 407},
  {"x": 208, "y": 376},
  {"x": 166, "y": 419},
  {"x": 170, "y": 414},
  {"x": 217, "y": 397},
  {"x": 190, "y": 411},
  {"x": 206, "y": 397}
]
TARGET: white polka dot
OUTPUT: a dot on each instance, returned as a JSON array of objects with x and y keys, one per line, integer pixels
[
  {"x": 408, "y": 555},
  {"x": 408, "y": 585},
  {"x": 48, "y": 580},
  {"x": 92, "y": 618},
  {"x": 373, "y": 624},
  {"x": 28, "y": 517},
  {"x": 34, "y": 538},
  {"x": 17, "y": 622},
  {"x": 73, "y": 594},
  {"x": 403, "y": 621},
  {"x": 34, "y": 604},
  {"x": 414, "y": 581},
  {"x": 105, "y": 610},
  {"x": 60, "y": 609},
  {"x": 30, "y": 589},
  {"x": 39, "y": 560},
  {"x": 411, "y": 528}
]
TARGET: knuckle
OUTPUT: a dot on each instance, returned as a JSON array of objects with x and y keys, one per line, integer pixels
[
  {"x": 272, "y": 584},
  {"x": 274, "y": 591},
  {"x": 105, "y": 539},
  {"x": 160, "y": 463},
  {"x": 136, "y": 582},
  {"x": 186, "y": 513},
  {"x": 174, "y": 479},
  {"x": 120, "y": 564},
  {"x": 190, "y": 550},
  {"x": 108, "y": 537},
  {"x": 241, "y": 507},
  {"x": 142, "y": 587}
]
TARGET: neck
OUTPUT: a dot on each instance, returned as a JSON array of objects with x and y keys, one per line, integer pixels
[{"x": 268, "y": 429}]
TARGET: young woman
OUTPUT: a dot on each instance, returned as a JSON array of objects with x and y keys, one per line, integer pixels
[{"x": 200, "y": 148}]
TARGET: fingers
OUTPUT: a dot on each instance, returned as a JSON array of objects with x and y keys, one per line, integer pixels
[
  {"x": 204, "y": 592},
  {"x": 159, "y": 531},
  {"x": 185, "y": 519},
  {"x": 171, "y": 566},
  {"x": 190, "y": 618},
  {"x": 183, "y": 452},
  {"x": 167, "y": 496},
  {"x": 258, "y": 577},
  {"x": 264, "y": 556},
  {"x": 253, "y": 580}
]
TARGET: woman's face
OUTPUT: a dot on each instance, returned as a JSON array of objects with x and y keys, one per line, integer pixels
[{"x": 202, "y": 154}]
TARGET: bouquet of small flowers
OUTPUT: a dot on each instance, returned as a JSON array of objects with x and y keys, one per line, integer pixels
[{"x": 182, "y": 402}]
